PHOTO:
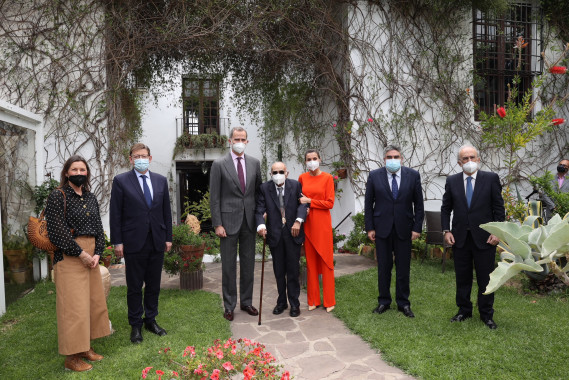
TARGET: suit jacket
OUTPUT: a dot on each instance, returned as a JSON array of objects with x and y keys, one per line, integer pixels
[
  {"x": 227, "y": 202},
  {"x": 486, "y": 206},
  {"x": 547, "y": 201},
  {"x": 382, "y": 212},
  {"x": 130, "y": 216},
  {"x": 268, "y": 201}
]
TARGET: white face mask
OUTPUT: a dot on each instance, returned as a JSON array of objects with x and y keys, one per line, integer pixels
[
  {"x": 470, "y": 167},
  {"x": 313, "y": 165},
  {"x": 238, "y": 147},
  {"x": 278, "y": 179}
]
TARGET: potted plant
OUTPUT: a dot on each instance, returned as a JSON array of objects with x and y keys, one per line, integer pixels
[
  {"x": 186, "y": 256},
  {"x": 108, "y": 256},
  {"x": 16, "y": 248}
]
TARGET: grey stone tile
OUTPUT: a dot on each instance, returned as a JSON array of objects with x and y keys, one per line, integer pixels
[{"x": 320, "y": 366}]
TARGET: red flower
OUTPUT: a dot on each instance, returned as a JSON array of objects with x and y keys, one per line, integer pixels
[
  {"x": 501, "y": 112},
  {"x": 334, "y": 125},
  {"x": 558, "y": 70},
  {"x": 175, "y": 374},
  {"x": 145, "y": 372},
  {"x": 370, "y": 120},
  {"x": 227, "y": 366},
  {"x": 285, "y": 376},
  {"x": 159, "y": 373},
  {"x": 558, "y": 121}
]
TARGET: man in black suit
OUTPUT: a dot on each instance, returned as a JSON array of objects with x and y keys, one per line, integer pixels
[
  {"x": 393, "y": 218},
  {"x": 279, "y": 199},
  {"x": 141, "y": 230},
  {"x": 474, "y": 197}
]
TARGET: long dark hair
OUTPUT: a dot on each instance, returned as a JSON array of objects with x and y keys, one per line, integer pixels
[{"x": 64, "y": 180}]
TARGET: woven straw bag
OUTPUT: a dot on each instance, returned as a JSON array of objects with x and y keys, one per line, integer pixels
[{"x": 37, "y": 229}]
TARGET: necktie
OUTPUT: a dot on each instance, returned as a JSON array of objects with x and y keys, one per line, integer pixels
[
  {"x": 281, "y": 203},
  {"x": 146, "y": 189},
  {"x": 394, "y": 188},
  {"x": 469, "y": 190},
  {"x": 240, "y": 174}
]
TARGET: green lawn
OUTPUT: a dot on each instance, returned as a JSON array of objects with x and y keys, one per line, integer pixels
[
  {"x": 530, "y": 342},
  {"x": 28, "y": 337}
]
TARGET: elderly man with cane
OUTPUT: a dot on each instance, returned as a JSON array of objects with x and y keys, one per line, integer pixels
[{"x": 278, "y": 199}]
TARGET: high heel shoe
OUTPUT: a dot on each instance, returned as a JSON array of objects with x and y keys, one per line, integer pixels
[
  {"x": 312, "y": 307},
  {"x": 330, "y": 308}
]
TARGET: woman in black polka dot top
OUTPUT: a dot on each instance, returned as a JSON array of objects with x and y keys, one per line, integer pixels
[{"x": 74, "y": 226}]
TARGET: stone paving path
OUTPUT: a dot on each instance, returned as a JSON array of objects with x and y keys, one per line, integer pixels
[{"x": 315, "y": 345}]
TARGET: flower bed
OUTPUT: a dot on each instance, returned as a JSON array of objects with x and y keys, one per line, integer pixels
[{"x": 221, "y": 361}]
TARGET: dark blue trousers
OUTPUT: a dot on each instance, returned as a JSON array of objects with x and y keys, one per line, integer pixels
[{"x": 143, "y": 268}]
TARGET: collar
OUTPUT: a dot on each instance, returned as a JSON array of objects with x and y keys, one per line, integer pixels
[
  {"x": 234, "y": 156},
  {"x": 473, "y": 175},
  {"x": 138, "y": 174}
]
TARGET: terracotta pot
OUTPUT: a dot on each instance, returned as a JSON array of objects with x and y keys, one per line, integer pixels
[
  {"x": 191, "y": 280},
  {"x": 192, "y": 251},
  {"x": 106, "y": 261}
]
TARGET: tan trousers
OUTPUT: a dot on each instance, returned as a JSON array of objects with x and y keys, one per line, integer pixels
[{"x": 80, "y": 302}]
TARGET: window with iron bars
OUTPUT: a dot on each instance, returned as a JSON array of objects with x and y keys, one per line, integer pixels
[
  {"x": 497, "y": 42},
  {"x": 200, "y": 105}
]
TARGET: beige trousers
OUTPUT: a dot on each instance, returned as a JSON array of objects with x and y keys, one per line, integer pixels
[{"x": 80, "y": 302}]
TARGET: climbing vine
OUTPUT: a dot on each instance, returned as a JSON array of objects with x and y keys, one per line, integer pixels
[{"x": 345, "y": 76}]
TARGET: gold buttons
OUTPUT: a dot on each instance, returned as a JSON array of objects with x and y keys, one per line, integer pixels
[{"x": 84, "y": 206}]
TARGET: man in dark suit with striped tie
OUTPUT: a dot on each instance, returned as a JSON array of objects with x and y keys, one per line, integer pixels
[
  {"x": 393, "y": 218},
  {"x": 141, "y": 230},
  {"x": 474, "y": 197},
  {"x": 279, "y": 200}
]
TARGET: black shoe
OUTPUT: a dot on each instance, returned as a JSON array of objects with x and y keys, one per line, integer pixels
[
  {"x": 154, "y": 328},
  {"x": 380, "y": 309},
  {"x": 136, "y": 334},
  {"x": 406, "y": 310},
  {"x": 460, "y": 317},
  {"x": 250, "y": 310},
  {"x": 228, "y": 315},
  {"x": 279, "y": 309},
  {"x": 491, "y": 324},
  {"x": 294, "y": 311}
]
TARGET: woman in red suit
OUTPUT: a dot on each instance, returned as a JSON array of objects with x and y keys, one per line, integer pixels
[{"x": 318, "y": 192}]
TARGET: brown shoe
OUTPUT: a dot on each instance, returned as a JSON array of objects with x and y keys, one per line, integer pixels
[
  {"x": 74, "y": 363},
  {"x": 90, "y": 355}
]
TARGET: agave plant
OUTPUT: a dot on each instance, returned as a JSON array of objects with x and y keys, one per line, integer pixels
[{"x": 530, "y": 247}]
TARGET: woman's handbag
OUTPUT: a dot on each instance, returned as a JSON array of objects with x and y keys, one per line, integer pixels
[{"x": 37, "y": 229}]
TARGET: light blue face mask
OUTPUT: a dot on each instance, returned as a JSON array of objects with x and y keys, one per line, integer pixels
[
  {"x": 141, "y": 164},
  {"x": 393, "y": 165}
]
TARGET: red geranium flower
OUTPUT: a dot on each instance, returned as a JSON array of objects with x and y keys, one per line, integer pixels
[
  {"x": 558, "y": 121},
  {"x": 558, "y": 70},
  {"x": 501, "y": 112},
  {"x": 370, "y": 119}
]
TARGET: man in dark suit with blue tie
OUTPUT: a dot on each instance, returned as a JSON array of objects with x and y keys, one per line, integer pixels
[
  {"x": 393, "y": 218},
  {"x": 474, "y": 197},
  {"x": 279, "y": 198},
  {"x": 141, "y": 230}
]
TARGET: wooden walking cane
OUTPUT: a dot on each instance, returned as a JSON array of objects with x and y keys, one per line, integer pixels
[{"x": 262, "y": 277}]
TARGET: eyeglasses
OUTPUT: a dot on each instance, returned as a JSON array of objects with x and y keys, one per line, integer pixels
[
  {"x": 140, "y": 156},
  {"x": 278, "y": 172}
]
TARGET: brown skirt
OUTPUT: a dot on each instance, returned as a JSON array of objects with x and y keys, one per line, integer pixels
[{"x": 80, "y": 302}]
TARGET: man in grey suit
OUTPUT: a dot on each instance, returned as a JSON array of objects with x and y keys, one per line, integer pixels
[
  {"x": 234, "y": 179},
  {"x": 559, "y": 184}
]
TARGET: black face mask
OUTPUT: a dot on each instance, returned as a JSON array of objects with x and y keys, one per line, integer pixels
[
  {"x": 561, "y": 169},
  {"x": 78, "y": 180}
]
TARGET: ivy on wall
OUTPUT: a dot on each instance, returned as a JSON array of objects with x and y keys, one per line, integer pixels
[{"x": 344, "y": 76}]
